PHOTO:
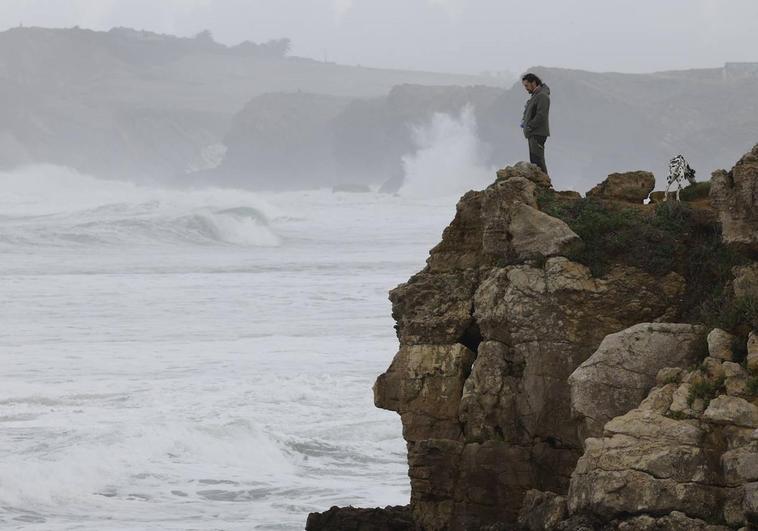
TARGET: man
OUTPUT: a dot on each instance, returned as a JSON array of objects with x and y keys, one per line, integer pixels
[{"x": 536, "y": 124}]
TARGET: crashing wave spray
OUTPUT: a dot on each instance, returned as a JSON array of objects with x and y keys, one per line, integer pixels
[{"x": 448, "y": 157}]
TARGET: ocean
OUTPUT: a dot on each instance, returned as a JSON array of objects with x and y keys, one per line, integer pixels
[{"x": 198, "y": 359}]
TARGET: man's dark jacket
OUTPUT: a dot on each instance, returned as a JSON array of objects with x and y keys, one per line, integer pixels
[{"x": 536, "y": 112}]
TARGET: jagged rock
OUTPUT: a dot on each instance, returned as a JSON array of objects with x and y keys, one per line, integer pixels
[
  {"x": 660, "y": 399},
  {"x": 712, "y": 369},
  {"x": 720, "y": 344},
  {"x": 653, "y": 463},
  {"x": 396, "y": 518},
  {"x": 478, "y": 235},
  {"x": 746, "y": 281},
  {"x": 527, "y": 171},
  {"x": 631, "y": 187},
  {"x": 647, "y": 463},
  {"x": 669, "y": 375},
  {"x": 535, "y": 234},
  {"x": 681, "y": 404},
  {"x": 735, "y": 379},
  {"x": 752, "y": 352},
  {"x": 623, "y": 370},
  {"x": 424, "y": 385},
  {"x": 732, "y": 410},
  {"x": 490, "y": 332},
  {"x": 735, "y": 195},
  {"x": 542, "y": 511},
  {"x": 740, "y": 465},
  {"x": 434, "y": 308},
  {"x": 514, "y": 405}
]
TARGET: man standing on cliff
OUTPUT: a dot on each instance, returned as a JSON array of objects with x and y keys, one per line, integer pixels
[{"x": 536, "y": 123}]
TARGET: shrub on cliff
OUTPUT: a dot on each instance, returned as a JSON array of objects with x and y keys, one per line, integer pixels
[{"x": 659, "y": 239}]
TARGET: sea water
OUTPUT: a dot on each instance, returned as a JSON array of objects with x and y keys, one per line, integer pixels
[{"x": 197, "y": 359}]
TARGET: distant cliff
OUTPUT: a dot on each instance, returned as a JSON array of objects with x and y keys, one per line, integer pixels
[
  {"x": 576, "y": 363},
  {"x": 135, "y": 104}
]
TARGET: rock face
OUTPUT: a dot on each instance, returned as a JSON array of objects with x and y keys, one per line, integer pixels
[
  {"x": 735, "y": 194},
  {"x": 631, "y": 187},
  {"x": 657, "y": 460},
  {"x": 343, "y": 519},
  {"x": 535, "y": 395},
  {"x": 622, "y": 371},
  {"x": 490, "y": 331}
]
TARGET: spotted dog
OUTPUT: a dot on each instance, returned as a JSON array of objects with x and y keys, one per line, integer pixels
[{"x": 679, "y": 170}]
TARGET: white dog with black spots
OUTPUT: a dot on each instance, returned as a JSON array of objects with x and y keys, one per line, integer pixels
[{"x": 679, "y": 171}]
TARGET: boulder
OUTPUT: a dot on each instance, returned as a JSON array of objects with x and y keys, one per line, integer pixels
[
  {"x": 746, "y": 281},
  {"x": 752, "y": 352},
  {"x": 671, "y": 470},
  {"x": 535, "y": 234},
  {"x": 720, "y": 344},
  {"x": 630, "y": 187},
  {"x": 732, "y": 410},
  {"x": 735, "y": 196},
  {"x": 623, "y": 370},
  {"x": 528, "y": 171}
]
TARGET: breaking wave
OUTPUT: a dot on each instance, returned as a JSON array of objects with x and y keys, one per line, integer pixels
[{"x": 53, "y": 206}]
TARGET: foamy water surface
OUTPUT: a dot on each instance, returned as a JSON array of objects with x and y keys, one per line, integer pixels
[{"x": 197, "y": 359}]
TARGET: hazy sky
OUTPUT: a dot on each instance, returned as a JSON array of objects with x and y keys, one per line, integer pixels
[{"x": 446, "y": 35}]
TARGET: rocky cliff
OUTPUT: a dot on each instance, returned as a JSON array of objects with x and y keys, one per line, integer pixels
[{"x": 581, "y": 363}]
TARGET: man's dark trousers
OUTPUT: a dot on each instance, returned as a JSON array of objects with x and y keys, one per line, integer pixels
[{"x": 537, "y": 151}]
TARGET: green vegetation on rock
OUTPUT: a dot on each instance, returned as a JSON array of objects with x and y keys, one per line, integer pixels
[{"x": 663, "y": 238}]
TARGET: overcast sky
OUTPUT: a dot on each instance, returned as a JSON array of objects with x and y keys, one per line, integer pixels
[{"x": 444, "y": 35}]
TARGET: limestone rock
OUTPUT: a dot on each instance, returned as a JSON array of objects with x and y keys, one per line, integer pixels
[
  {"x": 681, "y": 404},
  {"x": 720, "y": 344},
  {"x": 660, "y": 399},
  {"x": 623, "y": 370},
  {"x": 424, "y": 385},
  {"x": 479, "y": 234},
  {"x": 735, "y": 195},
  {"x": 752, "y": 352},
  {"x": 712, "y": 369},
  {"x": 746, "y": 281},
  {"x": 527, "y": 171},
  {"x": 647, "y": 463},
  {"x": 457, "y": 486},
  {"x": 542, "y": 511},
  {"x": 536, "y": 234},
  {"x": 675, "y": 521},
  {"x": 435, "y": 308},
  {"x": 732, "y": 410},
  {"x": 740, "y": 465},
  {"x": 735, "y": 379},
  {"x": 669, "y": 375},
  {"x": 631, "y": 187}
]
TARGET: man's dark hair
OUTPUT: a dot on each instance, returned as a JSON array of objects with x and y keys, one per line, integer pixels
[{"x": 531, "y": 78}]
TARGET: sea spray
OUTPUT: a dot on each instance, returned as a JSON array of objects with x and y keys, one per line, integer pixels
[{"x": 448, "y": 157}]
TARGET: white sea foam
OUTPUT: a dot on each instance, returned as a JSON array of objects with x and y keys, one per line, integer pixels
[
  {"x": 447, "y": 157},
  {"x": 48, "y": 205},
  {"x": 156, "y": 377}
]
